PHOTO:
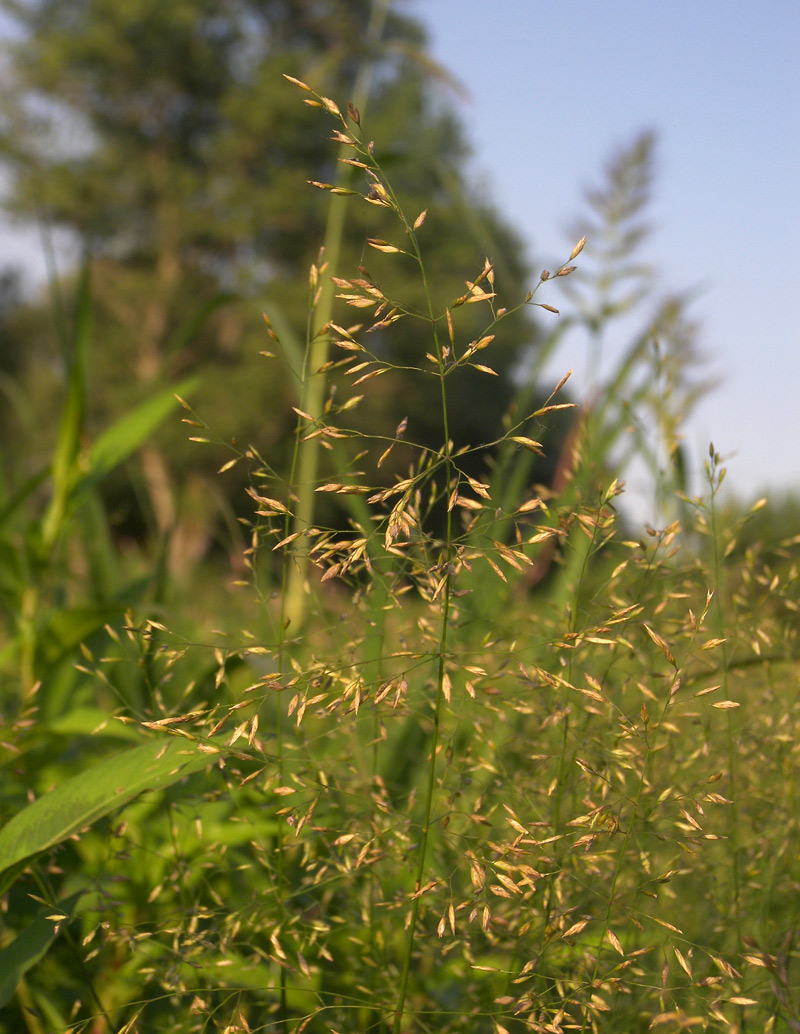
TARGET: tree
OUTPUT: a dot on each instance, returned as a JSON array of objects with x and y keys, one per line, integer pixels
[{"x": 165, "y": 137}]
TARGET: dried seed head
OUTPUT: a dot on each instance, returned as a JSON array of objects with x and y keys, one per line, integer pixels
[
  {"x": 354, "y": 114},
  {"x": 297, "y": 82},
  {"x": 578, "y": 248},
  {"x": 545, "y": 274},
  {"x": 331, "y": 106}
]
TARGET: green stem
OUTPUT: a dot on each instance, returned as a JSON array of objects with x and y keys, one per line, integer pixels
[
  {"x": 426, "y": 823},
  {"x": 314, "y": 382},
  {"x": 442, "y": 653},
  {"x": 716, "y": 475}
]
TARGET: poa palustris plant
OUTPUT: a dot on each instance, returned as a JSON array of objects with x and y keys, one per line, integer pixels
[
  {"x": 482, "y": 758},
  {"x": 476, "y": 805}
]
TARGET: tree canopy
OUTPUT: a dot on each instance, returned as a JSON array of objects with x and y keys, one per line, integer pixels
[{"x": 166, "y": 139}]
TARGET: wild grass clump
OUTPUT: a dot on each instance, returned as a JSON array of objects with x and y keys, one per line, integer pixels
[{"x": 486, "y": 759}]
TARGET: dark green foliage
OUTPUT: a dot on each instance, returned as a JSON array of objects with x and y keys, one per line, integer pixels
[{"x": 166, "y": 138}]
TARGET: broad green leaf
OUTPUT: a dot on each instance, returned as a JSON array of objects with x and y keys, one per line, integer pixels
[
  {"x": 29, "y": 947},
  {"x": 131, "y": 431},
  {"x": 95, "y": 793},
  {"x": 92, "y": 721}
]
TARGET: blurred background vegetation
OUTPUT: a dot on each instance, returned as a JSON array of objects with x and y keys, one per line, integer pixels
[{"x": 165, "y": 140}]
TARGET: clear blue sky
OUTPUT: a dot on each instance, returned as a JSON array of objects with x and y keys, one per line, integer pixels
[{"x": 554, "y": 89}]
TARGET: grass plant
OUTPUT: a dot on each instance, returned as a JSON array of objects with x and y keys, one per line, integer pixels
[{"x": 510, "y": 766}]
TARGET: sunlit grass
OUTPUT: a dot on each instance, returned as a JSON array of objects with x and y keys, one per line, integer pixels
[{"x": 510, "y": 765}]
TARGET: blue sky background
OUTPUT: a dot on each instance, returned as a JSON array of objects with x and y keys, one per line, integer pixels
[{"x": 555, "y": 89}]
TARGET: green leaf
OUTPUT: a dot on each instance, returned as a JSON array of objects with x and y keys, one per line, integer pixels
[
  {"x": 29, "y": 947},
  {"x": 99, "y": 790},
  {"x": 91, "y": 721},
  {"x": 131, "y": 431},
  {"x": 64, "y": 468},
  {"x": 66, "y": 629}
]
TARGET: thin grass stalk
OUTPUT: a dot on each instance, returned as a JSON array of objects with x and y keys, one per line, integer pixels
[
  {"x": 53, "y": 279},
  {"x": 76, "y": 344},
  {"x": 283, "y": 624},
  {"x": 313, "y": 391},
  {"x": 442, "y": 649},
  {"x": 716, "y": 475},
  {"x": 426, "y": 825},
  {"x": 282, "y": 647},
  {"x": 373, "y": 673}
]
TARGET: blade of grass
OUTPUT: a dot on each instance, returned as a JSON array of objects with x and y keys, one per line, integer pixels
[
  {"x": 313, "y": 381},
  {"x": 96, "y": 792}
]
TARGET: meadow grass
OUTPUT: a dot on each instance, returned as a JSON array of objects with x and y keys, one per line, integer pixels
[{"x": 479, "y": 757}]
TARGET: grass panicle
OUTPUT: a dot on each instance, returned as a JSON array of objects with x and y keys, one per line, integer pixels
[{"x": 455, "y": 750}]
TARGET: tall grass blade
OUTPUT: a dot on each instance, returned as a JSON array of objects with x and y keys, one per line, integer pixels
[
  {"x": 96, "y": 792},
  {"x": 314, "y": 382}
]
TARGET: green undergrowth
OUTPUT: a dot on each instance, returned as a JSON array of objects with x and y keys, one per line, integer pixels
[{"x": 475, "y": 755}]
